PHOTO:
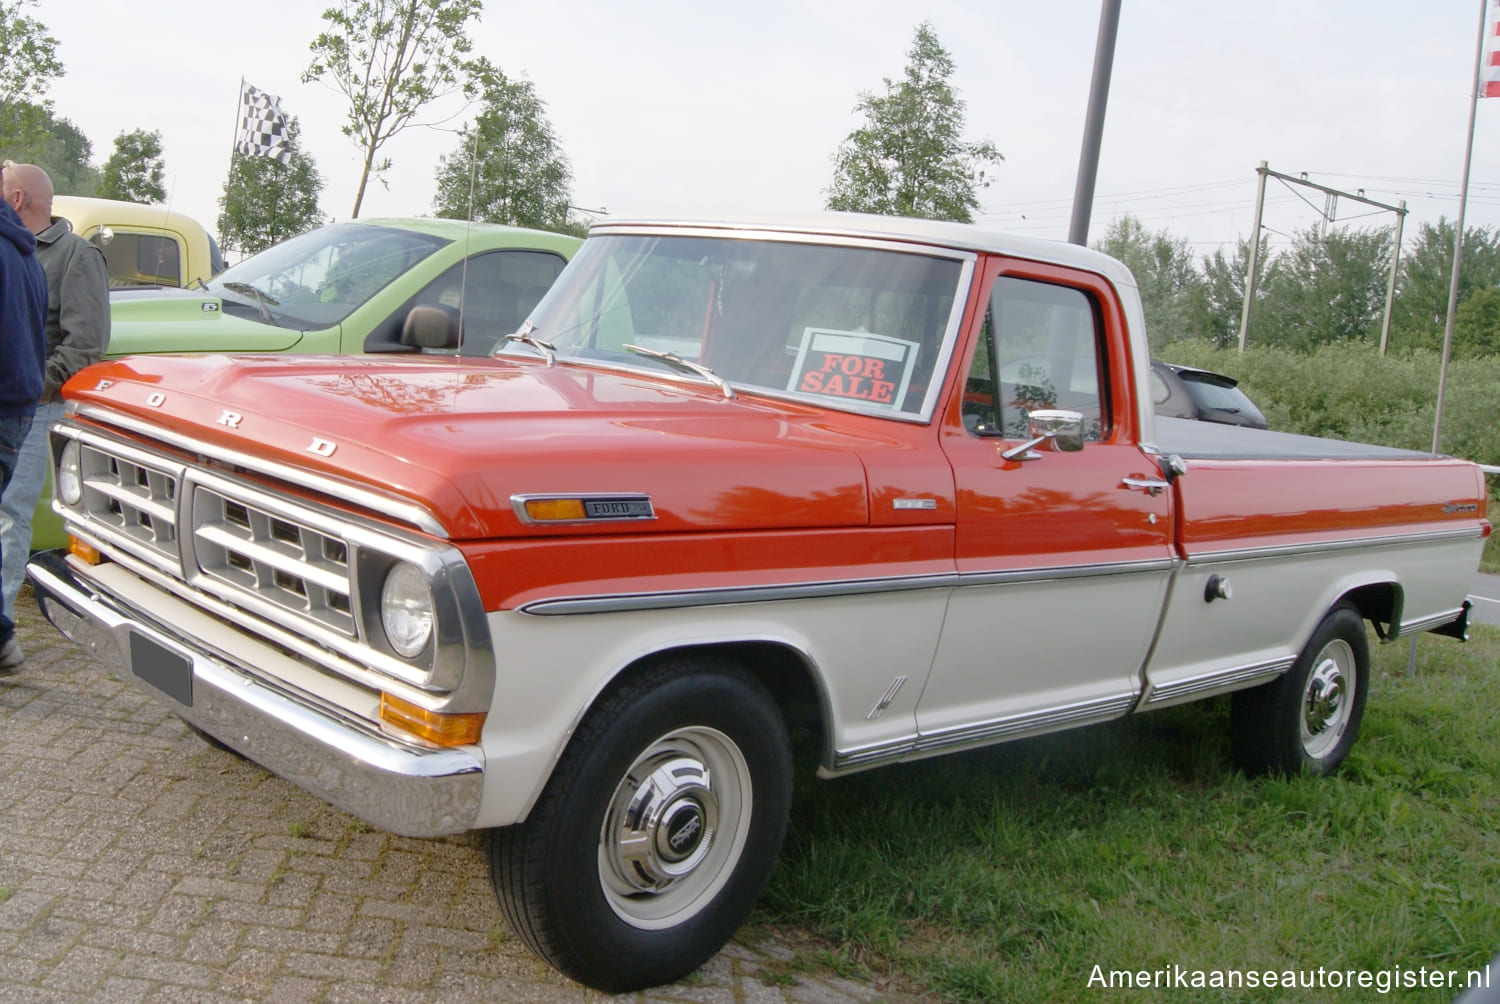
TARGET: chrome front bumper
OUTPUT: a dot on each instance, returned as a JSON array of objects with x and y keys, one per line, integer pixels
[{"x": 407, "y": 789}]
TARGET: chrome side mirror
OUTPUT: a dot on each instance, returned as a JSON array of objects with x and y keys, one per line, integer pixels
[{"x": 1063, "y": 429}]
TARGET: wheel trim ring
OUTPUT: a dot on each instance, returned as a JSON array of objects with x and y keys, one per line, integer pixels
[
  {"x": 1328, "y": 699},
  {"x": 695, "y": 881}
]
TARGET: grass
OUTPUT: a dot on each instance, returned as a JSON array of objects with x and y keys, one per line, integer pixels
[{"x": 1010, "y": 873}]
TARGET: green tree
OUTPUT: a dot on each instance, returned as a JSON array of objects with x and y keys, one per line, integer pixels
[
  {"x": 510, "y": 154},
  {"x": 1419, "y": 314},
  {"x": 266, "y": 201},
  {"x": 31, "y": 134},
  {"x": 1224, "y": 288},
  {"x": 1172, "y": 292},
  {"x": 28, "y": 55},
  {"x": 1476, "y": 324},
  {"x": 135, "y": 172},
  {"x": 1327, "y": 288},
  {"x": 909, "y": 158},
  {"x": 390, "y": 59}
]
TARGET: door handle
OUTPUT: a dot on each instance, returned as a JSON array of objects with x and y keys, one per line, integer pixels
[{"x": 1151, "y": 486}]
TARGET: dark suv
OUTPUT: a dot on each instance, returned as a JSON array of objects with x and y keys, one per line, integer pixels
[{"x": 1188, "y": 392}]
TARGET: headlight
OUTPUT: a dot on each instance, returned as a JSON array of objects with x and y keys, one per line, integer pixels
[
  {"x": 406, "y": 609},
  {"x": 70, "y": 474}
]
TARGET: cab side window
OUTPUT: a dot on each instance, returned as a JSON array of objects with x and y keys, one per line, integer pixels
[
  {"x": 1040, "y": 349},
  {"x": 495, "y": 292}
]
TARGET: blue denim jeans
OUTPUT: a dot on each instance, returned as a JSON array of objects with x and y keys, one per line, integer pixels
[{"x": 12, "y": 435}]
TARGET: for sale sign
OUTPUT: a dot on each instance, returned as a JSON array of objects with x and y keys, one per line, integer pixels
[{"x": 854, "y": 365}]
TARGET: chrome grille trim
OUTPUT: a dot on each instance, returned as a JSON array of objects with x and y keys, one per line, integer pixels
[
  {"x": 131, "y": 496},
  {"x": 277, "y": 568},
  {"x": 395, "y": 506},
  {"x": 286, "y": 562}
]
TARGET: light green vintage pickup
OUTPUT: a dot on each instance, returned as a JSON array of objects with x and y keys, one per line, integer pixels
[{"x": 343, "y": 288}]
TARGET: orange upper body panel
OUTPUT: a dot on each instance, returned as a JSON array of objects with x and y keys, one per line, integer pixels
[{"x": 461, "y": 437}]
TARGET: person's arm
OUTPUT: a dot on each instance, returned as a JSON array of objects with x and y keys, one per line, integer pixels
[{"x": 83, "y": 318}]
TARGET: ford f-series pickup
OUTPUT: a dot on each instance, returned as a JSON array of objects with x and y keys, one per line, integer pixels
[{"x": 896, "y": 483}]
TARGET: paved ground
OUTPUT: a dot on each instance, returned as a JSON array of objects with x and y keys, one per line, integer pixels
[{"x": 138, "y": 863}]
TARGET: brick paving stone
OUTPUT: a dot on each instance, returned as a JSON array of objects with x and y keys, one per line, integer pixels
[{"x": 138, "y": 863}]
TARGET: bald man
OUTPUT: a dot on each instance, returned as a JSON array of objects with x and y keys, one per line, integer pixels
[{"x": 77, "y": 333}]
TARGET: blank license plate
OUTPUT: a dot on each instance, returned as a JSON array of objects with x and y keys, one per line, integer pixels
[{"x": 163, "y": 668}]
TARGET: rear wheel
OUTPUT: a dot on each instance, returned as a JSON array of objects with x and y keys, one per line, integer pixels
[
  {"x": 1306, "y": 720},
  {"x": 657, "y": 831}
]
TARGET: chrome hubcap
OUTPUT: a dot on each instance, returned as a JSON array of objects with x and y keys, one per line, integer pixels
[
  {"x": 662, "y": 825},
  {"x": 1328, "y": 699},
  {"x": 675, "y": 828}
]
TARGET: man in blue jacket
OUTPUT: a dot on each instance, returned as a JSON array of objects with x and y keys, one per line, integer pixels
[{"x": 23, "y": 315}]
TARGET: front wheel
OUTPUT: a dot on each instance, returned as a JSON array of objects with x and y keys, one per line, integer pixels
[
  {"x": 1306, "y": 720},
  {"x": 657, "y": 831}
]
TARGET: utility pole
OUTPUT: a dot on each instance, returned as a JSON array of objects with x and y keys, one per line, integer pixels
[
  {"x": 1093, "y": 127},
  {"x": 1330, "y": 206}
]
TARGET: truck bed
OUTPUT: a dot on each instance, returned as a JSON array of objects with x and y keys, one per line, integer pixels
[{"x": 1194, "y": 440}]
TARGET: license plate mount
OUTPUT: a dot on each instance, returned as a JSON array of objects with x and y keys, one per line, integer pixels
[{"x": 168, "y": 671}]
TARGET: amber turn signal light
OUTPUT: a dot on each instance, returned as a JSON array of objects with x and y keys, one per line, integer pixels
[
  {"x": 553, "y": 510},
  {"x": 83, "y": 552},
  {"x": 437, "y": 727}
]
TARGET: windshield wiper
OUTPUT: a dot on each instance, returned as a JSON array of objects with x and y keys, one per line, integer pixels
[
  {"x": 262, "y": 300},
  {"x": 525, "y": 337},
  {"x": 681, "y": 365}
]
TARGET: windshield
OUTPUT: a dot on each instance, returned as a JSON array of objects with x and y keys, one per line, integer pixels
[
  {"x": 852, "y": 327},
  {"x": 319, "y": 278}
]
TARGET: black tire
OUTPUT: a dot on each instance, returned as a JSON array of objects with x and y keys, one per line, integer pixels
[
  {"x": 1306, "y": 720},
  {"x": 690, "y": 763}
]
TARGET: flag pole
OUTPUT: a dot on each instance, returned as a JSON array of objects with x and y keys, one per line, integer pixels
[
  {"x": 1458, "y": 241},
  {"x": 1458, "y": 257},
  {"x": 239, "y": 111}
]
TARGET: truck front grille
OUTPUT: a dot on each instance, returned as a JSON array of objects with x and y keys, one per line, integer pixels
[
  {"x": 135, "y": 499},
  {"x": 296, "y": 566},
  {"x": 247, "y": 547}
]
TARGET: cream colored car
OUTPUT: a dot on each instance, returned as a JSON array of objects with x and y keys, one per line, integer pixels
[{"x": 143, "y": 245}]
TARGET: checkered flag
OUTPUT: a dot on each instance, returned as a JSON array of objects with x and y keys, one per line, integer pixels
[{"x": 263, "y": 126}]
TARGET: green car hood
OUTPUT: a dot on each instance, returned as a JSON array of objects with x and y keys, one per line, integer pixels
[{"x": 183, "y": 320}]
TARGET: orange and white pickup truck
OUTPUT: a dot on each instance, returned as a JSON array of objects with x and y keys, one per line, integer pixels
[{"x": 896, "y": 483}]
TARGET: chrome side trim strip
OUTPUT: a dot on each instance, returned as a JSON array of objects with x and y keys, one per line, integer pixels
[
  {"x": 1428, "y": 623},
  {"x": 1179, "y": 689},
  {"x": 1353, "y": 543},
  {"x": 394, "y": 506},
  {"x": 627, "y": 602},
  {"x": 1067, "y": 572},
  {"x": 991, "y": 731},
  {"x": 675, "y": 599}
]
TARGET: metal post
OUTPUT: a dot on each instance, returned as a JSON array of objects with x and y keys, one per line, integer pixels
[
  {"x": 1093, "y": 128},
  {"x": 1260, "y": 209},
  {"x": 1390, "y": 289},
  {"x": 1458, "y": 257},
  {"x": 1458, "y": 241}
]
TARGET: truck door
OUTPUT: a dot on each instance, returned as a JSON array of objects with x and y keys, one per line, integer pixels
[{"x": 1063, "y": 557}]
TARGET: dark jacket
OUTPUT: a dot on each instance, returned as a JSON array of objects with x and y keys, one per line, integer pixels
[
  {"x": 23, "y": 312},
  {"x": 77, "y": 302}
]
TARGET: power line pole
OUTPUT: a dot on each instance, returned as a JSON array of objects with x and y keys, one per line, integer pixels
[{"x": 1330, "y": 206}]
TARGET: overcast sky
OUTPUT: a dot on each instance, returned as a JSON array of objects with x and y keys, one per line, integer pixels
[{"x": 673, "y": 107}]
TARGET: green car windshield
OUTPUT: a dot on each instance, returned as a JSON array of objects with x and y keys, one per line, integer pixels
[
  {"x": 858, "y": 328},
  {"x": 319, "y": 278}
]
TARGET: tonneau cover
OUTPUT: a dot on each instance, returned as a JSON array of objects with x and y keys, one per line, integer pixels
[{"x": 1194, "y": 440}]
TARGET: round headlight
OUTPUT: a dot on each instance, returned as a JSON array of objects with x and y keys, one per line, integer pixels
[
  {"x": 406, "y": 609},
  {"x": 70, "y": 474}
]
